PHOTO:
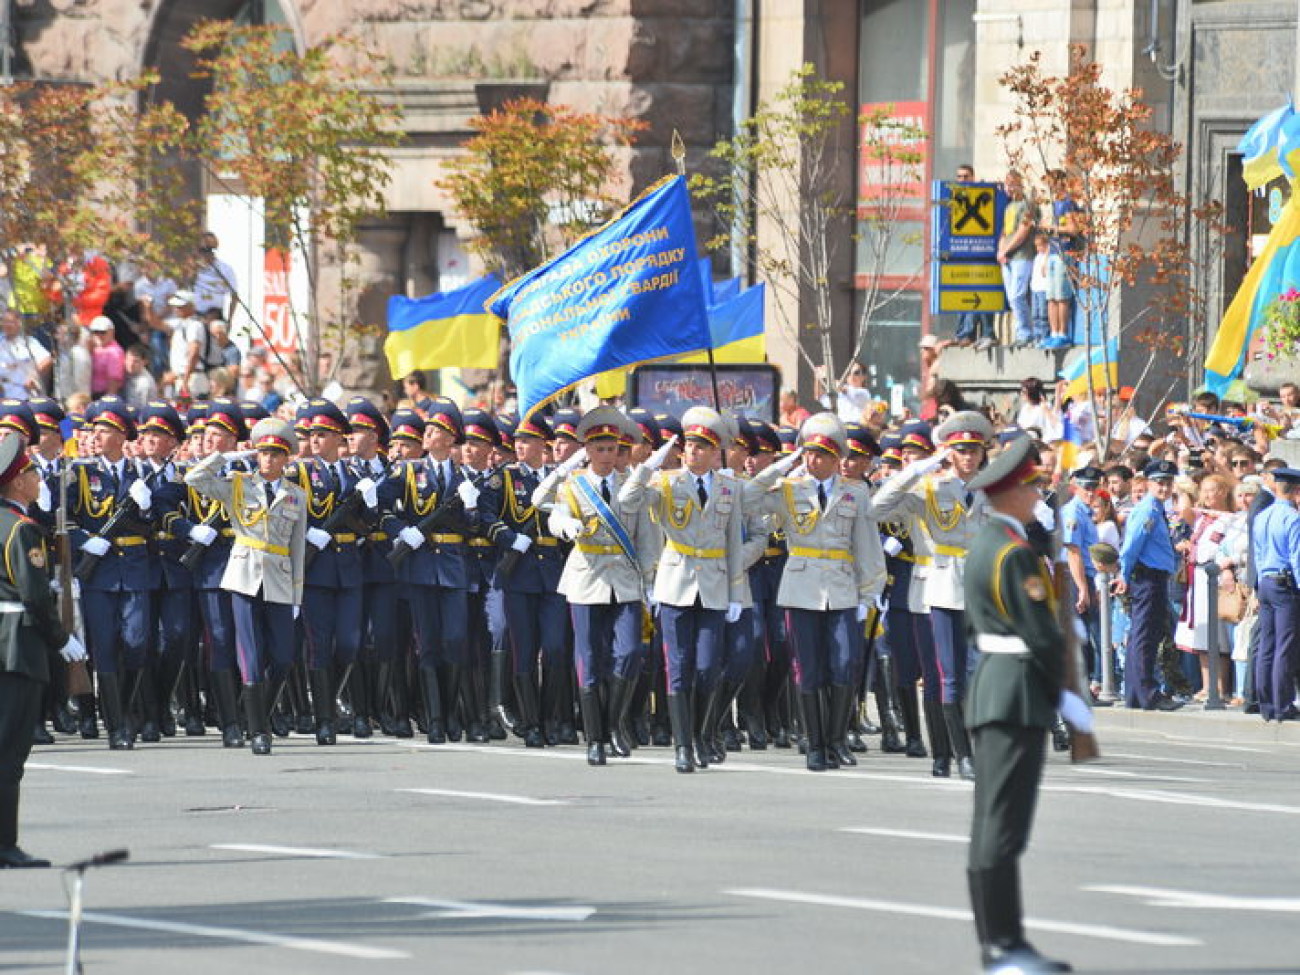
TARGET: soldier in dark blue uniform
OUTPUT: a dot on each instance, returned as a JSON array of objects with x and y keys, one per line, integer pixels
[
  {"x": 528, "y": 573},
  {"x": 331, "y": 606},
  {"x": 406, "y": 443},
  {"x": 1276, "y": 541},
  {"x": 115, "y": 595},
  {"x": 424, "y": 514},
  {"x": 485, "y": 604}
]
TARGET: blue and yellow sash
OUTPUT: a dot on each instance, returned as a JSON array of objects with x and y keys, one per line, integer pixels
[{"x": 607, "y": 518}]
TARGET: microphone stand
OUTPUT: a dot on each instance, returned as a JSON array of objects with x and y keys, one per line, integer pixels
[{"x": 78, "y": 870}]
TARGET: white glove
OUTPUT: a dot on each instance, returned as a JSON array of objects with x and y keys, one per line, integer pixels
[
  {"x": 576, "y": 460},
  {"x": 369, "y": 492},
  {"x": 1045, "y": 514},
  {"x": 318, "y": 538},
  {"x": 892, "y": 545},
  {"x": 787, "y": 463},
  {"x": 926, "y": 465},
  {"x": 297, "y": 611},
  {"x": 140, "y": 494},
  {"x": 652, "y": 605},
  {"x": 72, "y": 651},
  {"x": 733, "y": 612},
  {"x": 1076, "y": 713},
  {"x": 863, "y": 609},
  {"x": 238, "y": 456},
  {"x": 44, "y": 499},
  {"x": 96, "y": 545},
  {"x": 521, "y": 544},
  {"x": 203, "y": 534},
  {"x": 411, "y": 536},
  {"x": 656, "y": 460},
  {"x": 882, "y": 606},
  {"x": 468, "y": 494},
  {"x": 566, "y": 526}
]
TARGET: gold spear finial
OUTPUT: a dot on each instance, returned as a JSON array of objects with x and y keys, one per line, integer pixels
[{"x": 679, "y": 153}]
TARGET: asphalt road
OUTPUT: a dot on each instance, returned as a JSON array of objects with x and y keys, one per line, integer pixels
[{"x": 1174, "y": 854}]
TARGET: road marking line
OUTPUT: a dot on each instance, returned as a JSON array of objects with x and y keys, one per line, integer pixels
[
  {"x": 474, "y": 909},
  {"x": 905, "y": 834},
  {"x": 296, "y": 851},
  {"x": 1116, "y": 773},
  {"x": 1159, "y": 897},
  {"x": 88, "y": 769},
  {"x": 231, "y": 934},
  {"x": 1210, "y": 744},
  {"x": 1100, "y": 931},
  {"x": 1175, "y": 798},
  {"x": 488, "y": 797},
  {"x": 1176, "y": 761}
]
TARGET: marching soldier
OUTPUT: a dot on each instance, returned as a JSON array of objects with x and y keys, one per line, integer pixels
[
  {"x": 265, "y": 576},
  {"x": 607, "y": 572},
  {"x": 834, "y": 571},
  {"x": 867, "y": 669},
  {"x": 486, "y": 669},
  {"x": 30, "y": 629},
  {"x": 950, "y": 513},
  {"x": 700, "y": 582},
  {"x": 1014, "y": 695}
]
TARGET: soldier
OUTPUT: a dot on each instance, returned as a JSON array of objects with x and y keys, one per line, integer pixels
[
  {"x": 424, "y": 515},
  {"x": 115, "y": 537},
  {"x": 1276, "y": 541},
  {"x": 486, "y": 611},
  {"x": 1146, "y": 559},
  {"x": 265, "y": 574},
  {"x": 29, "y": 629},
  {"x": 700, "y": 583},
  {"x": 867, "y": 668},
  {"x": 528, "y": 575},
  {"x": 835, "y": 570},
  {"x": 331, "y": 604},
  {"x": 949, "y": 513},
  {"x": 607, "y": 572},
  {"x": 1014, "y": 694},
  {"x": 1078, "y": 535}
]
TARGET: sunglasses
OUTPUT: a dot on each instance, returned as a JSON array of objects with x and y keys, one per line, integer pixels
[{"x": 1243, "y": 463}]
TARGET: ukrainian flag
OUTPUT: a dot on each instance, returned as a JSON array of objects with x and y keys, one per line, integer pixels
[
  {"x": 440, "y": 330},
  {"x": 1071, "y": 444},
  {"x": 1275, "y": 270},
  {"x": 1260, "y": 147},
  {"x": 1102, "y": 365}
]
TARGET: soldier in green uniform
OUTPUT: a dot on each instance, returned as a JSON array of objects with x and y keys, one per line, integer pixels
[
  {"x": 1013, "y": 698},
  {"x": 29, "y": 629}
]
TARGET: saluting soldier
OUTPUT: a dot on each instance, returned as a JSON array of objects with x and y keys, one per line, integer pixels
[
  {"x": 1015, "y": 692},
  {"x": 30, "y": 629},
  {"x": 950, "y": 513},
  {"x": 115, "y": 597},
  {"x": 264, "y": 576},
  {"x": 700, "y": 583},
  {"x": 607, "y": 572},
  {"x": 834, "y": 571},
  {"x": 856, "y": 465}
]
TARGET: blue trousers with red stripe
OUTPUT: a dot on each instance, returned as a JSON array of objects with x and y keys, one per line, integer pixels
[
  {"x": 331, "y": 625},
  {"x": 952, "y": 653},
  {"x": 606, "y": 641},
  {"x": 692, "y": 646},
  {"x": 824, "y": 646},
  {"x": 263, "y": 637},
  {"x": 218, "y": 627},
  {"x": 536, "y": 629}
]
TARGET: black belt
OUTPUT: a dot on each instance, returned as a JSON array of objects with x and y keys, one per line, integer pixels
[{"x": 1143, "y": 572}]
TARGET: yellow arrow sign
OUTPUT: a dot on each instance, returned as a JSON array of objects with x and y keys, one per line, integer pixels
[
  {"x": 959, "y": 301},
  {"x": 970, "y": 275}
]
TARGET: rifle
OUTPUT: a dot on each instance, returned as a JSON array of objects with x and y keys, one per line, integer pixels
[
  {"x": 344, "y": 515},
  {"x": 448, "y": 508},
  {"x": 78, "y": 674},
  {"x": 1083, "y": 744},
  {"x": 125, "y": 510}
]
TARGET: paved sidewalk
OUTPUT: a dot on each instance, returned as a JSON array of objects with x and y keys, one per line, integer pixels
[{"x": 1194, "y": 721}]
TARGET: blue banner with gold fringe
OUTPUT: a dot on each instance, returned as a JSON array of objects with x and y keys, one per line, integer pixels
[{"x": 628, "y": 293}]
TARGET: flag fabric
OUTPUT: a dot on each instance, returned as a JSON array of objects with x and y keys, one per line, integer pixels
[
  {"x": 630, "y": 292},
  {"x": 1275, "y": 270},
  {"x": 1259, "y": 147},
  {"x": 1071, "y": 443},
  {"x": 447, "y": 329},
  {"x": 1102, "y": 364},
  {"x": 735, "y": 331}
]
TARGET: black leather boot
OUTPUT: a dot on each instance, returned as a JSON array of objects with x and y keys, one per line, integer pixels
[
  {"x": 814, "y": 731},
  {"x": 223, "y": 690},
  {"x": 528, "y": 724},
  {"x": 750, "y": 707},
  {"x": 909, "y": 707},
  {"x": 12, "y": 856},
  {"x": 279, "y": 714},
  {"x": 362, "y": 689},
  {"x": 168, "y": 672},
  {"x": 322, "y": 702},
  {"x": 255, "y": 710},
  {"x": 399, "y": 698},
  {"x": 435, "y": 733},
  {"x": 146, "y": 695},
  {"x": 679, "y": 717},
  {"x": 471, "y": 693},
  {"x": 499, "y": 715},
  {"x": 302, "y": 719},
  {"x": 940, "y": 747},
  {"x": 620, "y": 690},
  {"x": 87, "y": 726},
  {"x": 41, "y": 734},
  {"x": 549, "y": 713},
  {"x": 592, "y": 725},
  {"x": 187, "y": 693},
  {"x": 890, "y": 705},
  {"x": 837, "y": 724},
  {"x": 717, "y": 707},
  {"x": 110, "y": 702},
  {"x": 449, "y": 680},
  {"x": 956, "y": 722},
  {"x": 699, "y": 704}
]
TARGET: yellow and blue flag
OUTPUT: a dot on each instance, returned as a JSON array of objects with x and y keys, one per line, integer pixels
[
  {"x": 1102, "y": 364},
  {"x": 1275, "y": 270},
  {"x": 1260, "y": 161},
  {"x": 440, "y": 330},
  {"x": 1071, "y": 444},
  {"x": 625, "y": 294}
]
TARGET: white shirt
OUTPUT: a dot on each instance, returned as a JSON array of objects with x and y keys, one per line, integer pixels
[
  {"x": 850, "y": 402},
  {"x": 184, "y": 332},
  {"x": 20, "y": 361}
]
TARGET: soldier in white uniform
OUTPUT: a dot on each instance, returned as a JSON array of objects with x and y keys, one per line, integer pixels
[
  {"x": 700, "y": 583},
  {"x": 835, "y": 569},
  {"x": 265, "y": 573},
  {"x": 950, "y": 515},
  {"x": 606, "y": 574}
]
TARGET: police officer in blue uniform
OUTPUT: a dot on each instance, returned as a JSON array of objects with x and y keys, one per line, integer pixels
[
  {"x": 1146, "y": 559},
  {"x": 115, "y": 597},
  {"x": 1078, "y": 535},
  {"x": 1277, "y": 563},
  {"x": 332, "y": 598}
]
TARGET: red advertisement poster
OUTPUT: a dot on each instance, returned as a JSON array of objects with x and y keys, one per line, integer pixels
[
  {"x": 881, "y": 177},
  {"x": 276, "y": 317}
]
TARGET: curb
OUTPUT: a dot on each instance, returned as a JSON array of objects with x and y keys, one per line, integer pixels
[{"x": 1193, "y": 721}]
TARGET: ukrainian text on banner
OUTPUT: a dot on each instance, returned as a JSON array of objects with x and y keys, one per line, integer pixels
[
  {"x": 446, "y": 329},
  {"x": 628, "y": 293}
]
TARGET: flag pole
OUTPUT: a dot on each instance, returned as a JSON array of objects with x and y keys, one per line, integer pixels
[{"x": 679, "y": 157}]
